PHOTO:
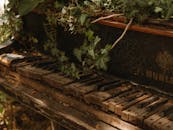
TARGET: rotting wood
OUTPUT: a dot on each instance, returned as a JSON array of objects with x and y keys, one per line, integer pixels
[
  {"x": 129, "y": 101},
  {"x": 98, "y": 97},
  {"x": 104, "y": 126},
  {"x": 46, "y": 91},
  {"x": 136, "y": 114},
  {"x": 79, "y": 120},
  {"x": 32, "y": 72},
  {"x": 108, "y": 118},
  {"x": 110, "y": 103},
  {"x": 42, "y": 90},
  {"x": 154, "y": 120},
  {"x": 79, "y": 89},
  {"x": 163, "y": 119},
  {"x": 56, "y": 80}
]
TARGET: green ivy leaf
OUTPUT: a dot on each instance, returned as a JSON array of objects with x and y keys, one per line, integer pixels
[
  {"x": 78, "y": 54},
  {"x": 158, "y": 9},
  {"x": 1, "y": 108},
  {"x": 101, "y": 62},
  {"x": 83, "y": 18},
  {"x": 106, "y": 50},
  {"x": 54, "y": 51},
  {"x": 58, "y": 5},
  {"x": 97, "y": 40},
  {"x": 91, "y": 53},
  {"x": 25, "y": 6},
  {"x": 89, "y": 34}
]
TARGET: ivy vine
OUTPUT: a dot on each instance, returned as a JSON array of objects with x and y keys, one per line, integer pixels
[{"x": 77, "y": 17}]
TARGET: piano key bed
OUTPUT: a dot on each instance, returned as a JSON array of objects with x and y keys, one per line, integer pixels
[{"x": 94, "y": 101}]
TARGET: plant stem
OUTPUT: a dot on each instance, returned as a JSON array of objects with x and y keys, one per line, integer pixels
[
  {"x": 123, "y": 34},
  {"x": 106, "y": 17}
]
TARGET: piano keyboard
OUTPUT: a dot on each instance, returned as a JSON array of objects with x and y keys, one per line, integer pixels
[{"x": 133, "y": 103}]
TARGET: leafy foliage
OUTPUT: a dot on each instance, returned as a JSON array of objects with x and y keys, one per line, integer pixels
[
  {"x": 11, "y": 24},
  {"x": 143, "y": 9},
  {"x": 75, "y": 16},
  {"x": 50, "y": 45},
  {"x": 90, "y": 55},
  {"x": 4, "y": 119},
  {"x": 26, "y": 6}
]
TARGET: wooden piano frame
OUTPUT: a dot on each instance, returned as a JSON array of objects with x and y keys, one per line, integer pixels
[{"x": 81, "y": 107}]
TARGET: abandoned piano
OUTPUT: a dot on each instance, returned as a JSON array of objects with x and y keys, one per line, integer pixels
[
  {"x": 101, "y": 102},
  {"x": 95, "y": 101}
]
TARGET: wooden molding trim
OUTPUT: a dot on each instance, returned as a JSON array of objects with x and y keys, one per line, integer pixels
[{"x": 144, "y": 29}]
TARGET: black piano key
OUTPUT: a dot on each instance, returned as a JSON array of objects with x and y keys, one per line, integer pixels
[
  {"x": 116, "y": 93},
  {"x": 35, "y": 58},
  {"x": 170, "y": 116},
  {"x": 29, "y": 60},
  {"x": 39, "y": 61},
  {"x": 49, "y": 66},
  {"x": 128, "y": 93},
  {"x": 156, "y": 105},
  {"x": 113, "y": 85},
  {"x": 147, "y": 102},
  {"x": 53, "y": 68},
  {"x": 166, "y": 111},
  {"x": 85, "y": 76},
  {"x": 87, "y": 79},
  {"x": 106, "y": 82},
  {"x": 43, "y": 64},
  {"x": 134, "y": 97},
  {"x": 94, "y": 81}
]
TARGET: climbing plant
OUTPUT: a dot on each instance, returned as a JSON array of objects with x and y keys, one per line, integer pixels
[
  {"x": 10, "y": 22},
  {"x": 76, "y": 16}
]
